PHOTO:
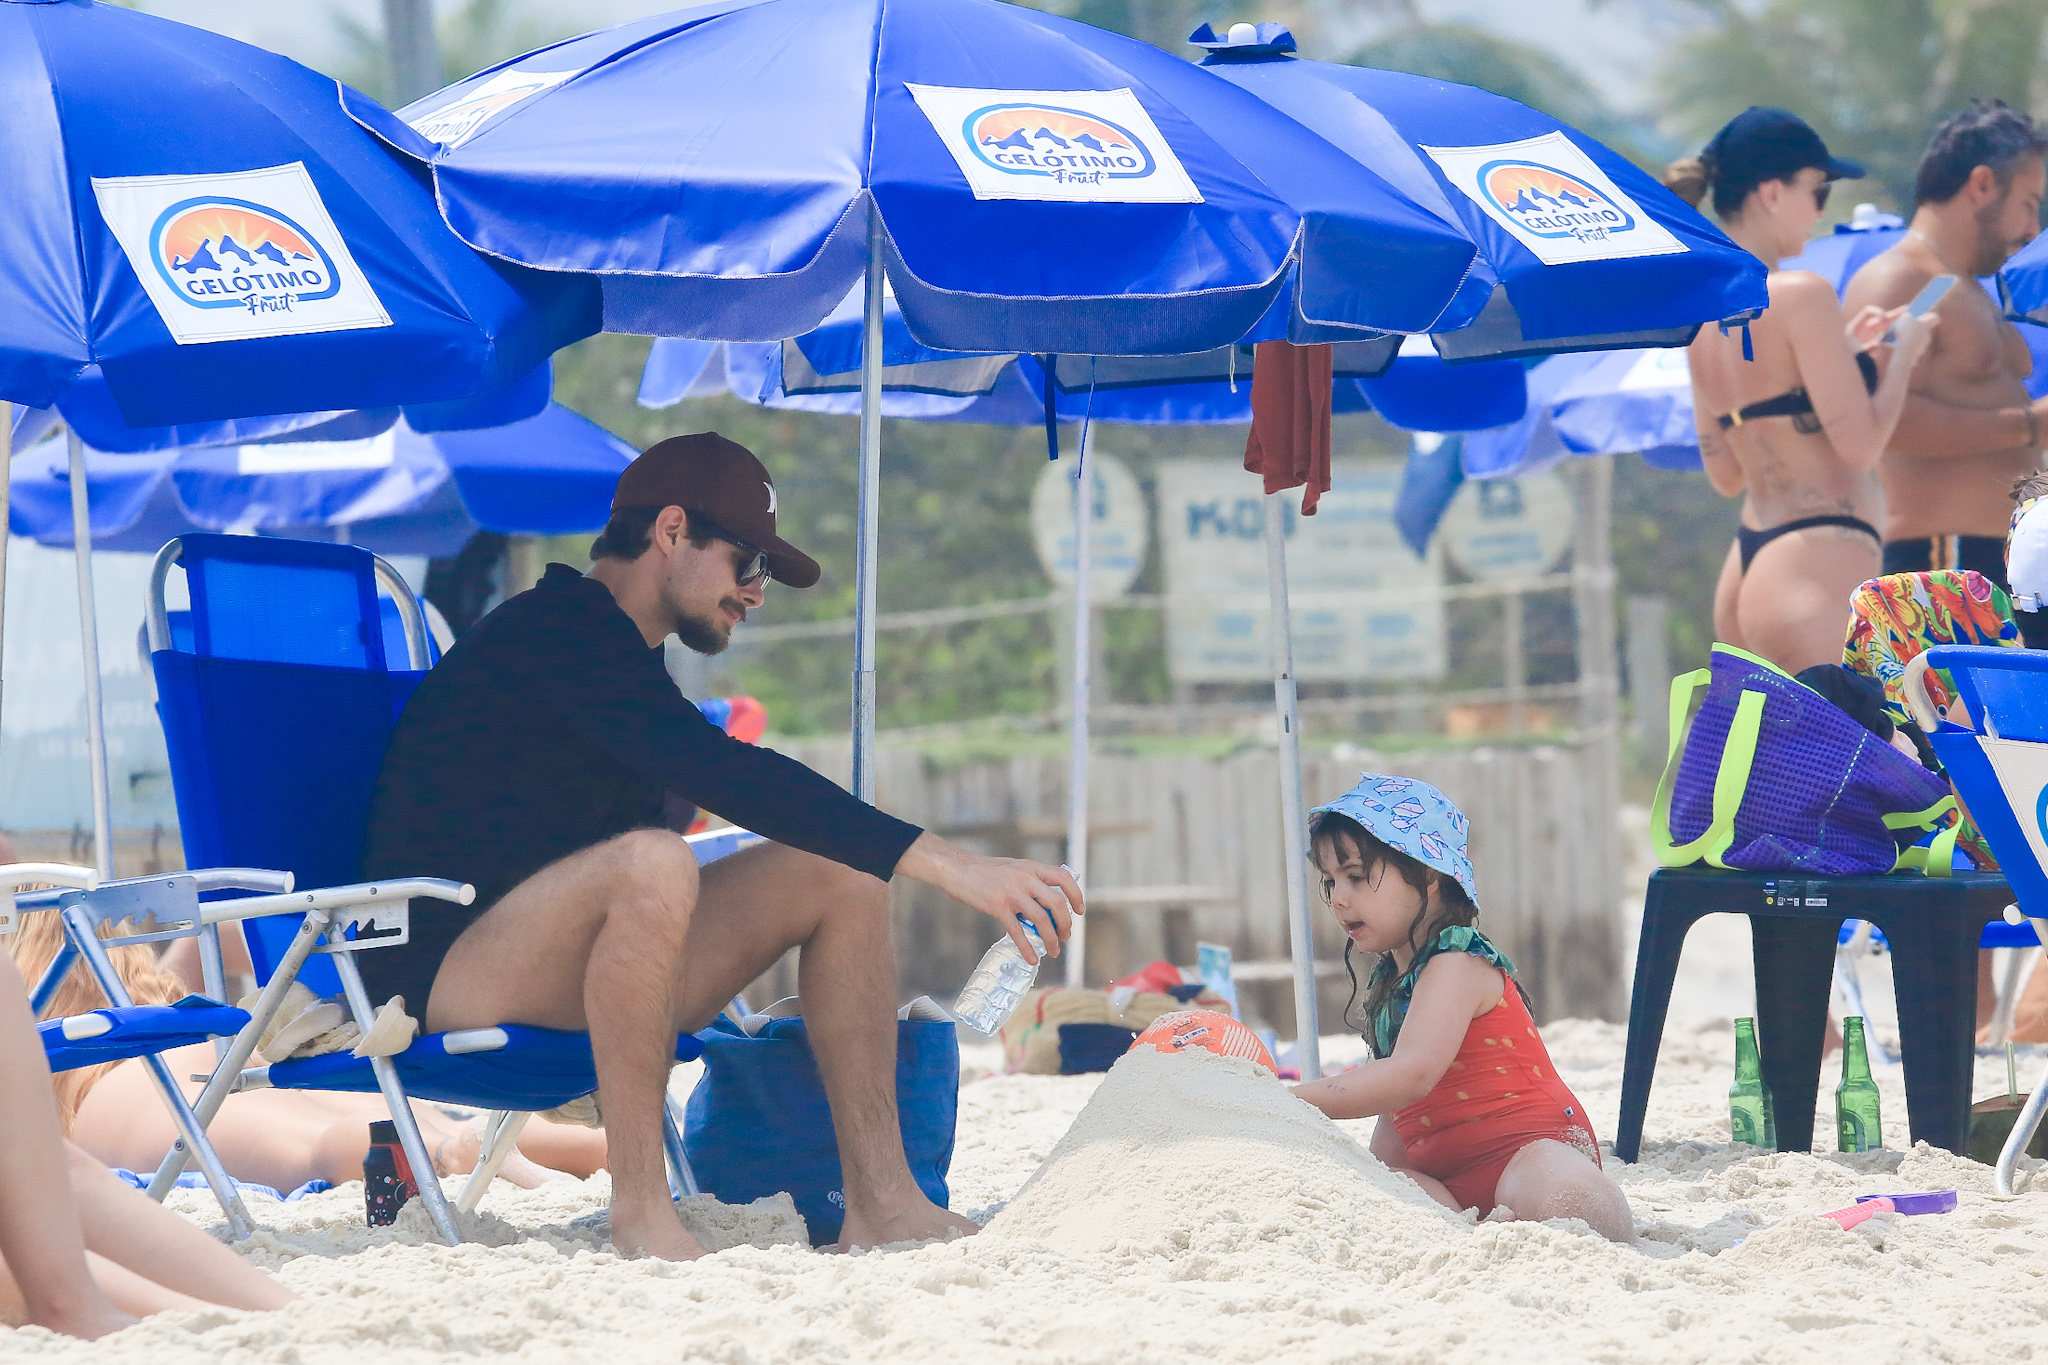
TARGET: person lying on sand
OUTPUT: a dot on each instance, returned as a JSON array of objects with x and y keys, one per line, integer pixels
[
  {"x": 80, "y": 1252},
  {"x": 1470, "y": 1107},
  {"x": 534, "y": 763},
  {"x": 280, "y": 1138}
]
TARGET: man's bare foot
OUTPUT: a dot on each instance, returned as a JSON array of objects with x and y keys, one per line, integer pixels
[
  {"x": 653, "y": 1232},
  {"x": 87, "y": 1323},
  {"x": 913, "y": 1219}
]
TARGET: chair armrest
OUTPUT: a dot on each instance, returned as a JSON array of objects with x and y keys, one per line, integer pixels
[
  {"x": 243, "y": 879},
  {"x": 333, "y": 897},
  {"x": 15, "y": 875}
]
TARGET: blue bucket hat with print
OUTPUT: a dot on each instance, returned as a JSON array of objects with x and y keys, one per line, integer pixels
[{"x": 1414, "y": 818}]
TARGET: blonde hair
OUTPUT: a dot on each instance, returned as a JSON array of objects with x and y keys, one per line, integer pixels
[
  {"x": 1690, "y": 179},
  {"x": 33, "y": 948}
]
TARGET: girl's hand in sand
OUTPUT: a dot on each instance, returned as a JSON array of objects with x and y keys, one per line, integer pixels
[{"x": 1007, "y": 890}]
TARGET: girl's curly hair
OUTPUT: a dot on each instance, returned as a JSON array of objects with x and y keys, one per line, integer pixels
[{"x": 1341, "y": 836}]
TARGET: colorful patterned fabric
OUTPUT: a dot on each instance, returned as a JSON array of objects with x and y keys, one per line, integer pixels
[
  {"x": 1896, "y": 618},
  {"x": 1414, "y": 818},
  {"x": 1459, "y": 938}
]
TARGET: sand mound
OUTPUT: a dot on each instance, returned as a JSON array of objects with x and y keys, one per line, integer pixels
[{"x": 1189, "y": 1152}]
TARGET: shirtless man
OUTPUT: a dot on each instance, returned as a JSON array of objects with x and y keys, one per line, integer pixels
[{"x": 1968, "y": 431}]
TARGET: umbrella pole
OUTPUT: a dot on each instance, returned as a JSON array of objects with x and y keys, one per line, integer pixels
[
  {"x": 1293, "y": 824},
  {"x": 868, "y": 518},
  {"x": 1077, "y": 743},
  {"x": 89, "y": 642}
]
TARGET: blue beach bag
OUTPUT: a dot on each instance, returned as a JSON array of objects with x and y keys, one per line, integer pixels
[{"x": 758, "y": 1124}]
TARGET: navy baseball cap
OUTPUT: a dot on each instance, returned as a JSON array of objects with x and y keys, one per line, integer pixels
[{"x": 1771, "y": 144}]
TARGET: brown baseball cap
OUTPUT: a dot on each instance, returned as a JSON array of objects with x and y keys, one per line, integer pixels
[{"x": 721, "y": 479}]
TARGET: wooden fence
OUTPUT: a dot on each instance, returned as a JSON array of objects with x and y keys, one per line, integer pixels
[{"x": 1190, "y": 848}]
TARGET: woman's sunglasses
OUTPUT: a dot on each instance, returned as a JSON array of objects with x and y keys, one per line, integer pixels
[{"x": 1820, "y": 195}]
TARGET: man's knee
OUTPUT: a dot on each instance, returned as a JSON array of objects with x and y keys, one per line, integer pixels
[
  {"x": 850, "y": 890},
  {"x": 654, "y": 865}
]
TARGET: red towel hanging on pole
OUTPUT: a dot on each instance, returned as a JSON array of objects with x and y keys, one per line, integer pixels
[{"x": 1289, "y": 444}]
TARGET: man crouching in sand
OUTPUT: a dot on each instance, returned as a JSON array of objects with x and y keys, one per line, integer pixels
[{"x": 533, "y": 762}]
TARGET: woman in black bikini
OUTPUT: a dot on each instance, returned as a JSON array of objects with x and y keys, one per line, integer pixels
[{"x": 1795, "y": 410}]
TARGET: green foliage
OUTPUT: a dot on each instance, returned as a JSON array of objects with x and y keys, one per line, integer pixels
[{"x": 1872, "y": 76}]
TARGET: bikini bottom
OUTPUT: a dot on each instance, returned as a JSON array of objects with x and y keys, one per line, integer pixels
[{"x": 1749, "y": 541}]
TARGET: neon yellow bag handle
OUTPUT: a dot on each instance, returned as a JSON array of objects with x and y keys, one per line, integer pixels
[
  {"x": 1738, "y": 757},
  {"x": 1731, "y": 780}
]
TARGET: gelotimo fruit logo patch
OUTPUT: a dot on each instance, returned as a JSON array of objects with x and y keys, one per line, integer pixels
[
  {"x": 1549, "y": 203},
  {"x": 1067, "y": 145},
  {"x": 217, "y": 252}
]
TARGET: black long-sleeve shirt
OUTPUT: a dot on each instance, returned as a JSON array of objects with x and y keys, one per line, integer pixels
[{"x": 551, "y": 726}]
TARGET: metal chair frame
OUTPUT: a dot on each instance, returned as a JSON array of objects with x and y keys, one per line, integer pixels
[{"x": 502, "y": 1127}]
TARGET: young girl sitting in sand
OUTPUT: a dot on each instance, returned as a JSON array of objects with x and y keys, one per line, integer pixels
[{"x": 1469, "y": 1105}]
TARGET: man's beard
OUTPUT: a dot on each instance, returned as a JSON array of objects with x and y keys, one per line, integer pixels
[
  {"x": 1992, "y": 251},
  {"x": 703, "y": 634}
]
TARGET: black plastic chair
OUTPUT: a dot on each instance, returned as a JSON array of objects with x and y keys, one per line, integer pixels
[{"x": 1933, "y": 925}]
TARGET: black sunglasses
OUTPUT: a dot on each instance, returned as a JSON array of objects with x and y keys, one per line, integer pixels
[
  {"x": 753, "y": 565},
  {"x": 1820, "y": 195}
]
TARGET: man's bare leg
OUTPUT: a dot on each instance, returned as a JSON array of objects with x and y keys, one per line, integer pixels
[
  {"x": 532, "y": 959},
  {"x": 847, "y": 977},
  {"x": 595, "y": 942}
]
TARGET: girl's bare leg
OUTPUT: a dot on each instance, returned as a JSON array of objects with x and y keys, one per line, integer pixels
[
  {"x": 1551, "y": 1179},
  {"x": 280, "y": 1138},
  {"x": 127, "y": 1227},
  {"x": 563, "y": 1147},
  {"x": 40, "y": 1240}
]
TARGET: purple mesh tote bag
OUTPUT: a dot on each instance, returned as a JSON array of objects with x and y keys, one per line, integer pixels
[{"x": 1773, "y": 777}]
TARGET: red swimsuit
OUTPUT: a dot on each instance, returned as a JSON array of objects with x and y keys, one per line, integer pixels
[{"x": 1499, "y": 1095}]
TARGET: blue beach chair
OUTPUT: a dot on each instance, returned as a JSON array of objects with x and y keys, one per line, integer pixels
[
  {"x": 1999, "y": 764},
  {"x": 158, "y": 909},
  {"x": 277, "y": 716}
]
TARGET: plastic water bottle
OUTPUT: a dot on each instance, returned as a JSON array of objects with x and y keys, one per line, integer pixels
[{"x": 998, "y": 984}]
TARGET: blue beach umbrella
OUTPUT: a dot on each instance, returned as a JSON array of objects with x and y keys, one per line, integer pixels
[
  {"x": 1577, "y": 248},
  {"x": 89, "y": 410},
  {"x": 1599, "y": 403},
  {"x": 202, "y": 221},
  {"x": 199, "y": 223},
  {"x": 1036, "y": 184},
  {"x": 551, "y": 474},
  {"x": 1027, "y": 183}
]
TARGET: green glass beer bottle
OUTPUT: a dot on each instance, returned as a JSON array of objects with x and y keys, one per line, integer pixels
[
  {"x": 1857, "y": 1124},
  {"x": 1749, "y": 1104}
]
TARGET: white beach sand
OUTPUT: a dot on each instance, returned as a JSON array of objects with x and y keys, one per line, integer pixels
[
  {"x": 1197, "y": 1213},
  {"x": 1200, "y": 1213}
]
